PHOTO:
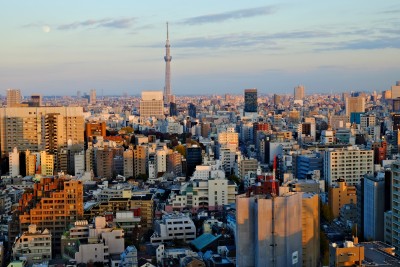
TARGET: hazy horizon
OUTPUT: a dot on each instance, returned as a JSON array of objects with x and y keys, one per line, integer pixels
[{"x": 59, "y": 48}]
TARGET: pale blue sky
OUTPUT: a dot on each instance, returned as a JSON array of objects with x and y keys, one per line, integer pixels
[{"x": 60, "y": 47}]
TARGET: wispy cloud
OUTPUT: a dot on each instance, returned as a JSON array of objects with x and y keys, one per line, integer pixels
[
  {"x": 248, "y": 39},
  {"x": 122, "y": 23},
  {"x": 391, "y": 11},
  {"x": 371, "y": 44},
  {"x": 236, "y": 14}
]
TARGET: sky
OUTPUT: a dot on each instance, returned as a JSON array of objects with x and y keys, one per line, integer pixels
[{"x": 217, "y": 47}]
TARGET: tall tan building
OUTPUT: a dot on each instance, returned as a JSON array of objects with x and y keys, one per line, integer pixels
[
  {"x": 104, "y": 162},
  {"x": 355, "y": 104},
  {"x": 128, "y": 162},
  {"x": 340, "y": 195},
  {"x": 13, "y": 97},
  {"x": 46, "y": 163},
  {"x": 151, "y": 105},
  {"x": 40, "y": 128},
  {"x": 228, "y": 140},
  {"x": 174, "y": 163},
  {"x": 299, "y": 92},
  {"x": 92, "y": 97},
  {"x": 140, "y": 159},
  {"x": 30, "y": 163}
]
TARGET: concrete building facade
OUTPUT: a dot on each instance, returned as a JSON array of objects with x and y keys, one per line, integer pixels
[{"x": 350, "y": 164}]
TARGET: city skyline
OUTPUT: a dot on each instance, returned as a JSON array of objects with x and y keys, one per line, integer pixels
[{"x": 218, "y": 48}]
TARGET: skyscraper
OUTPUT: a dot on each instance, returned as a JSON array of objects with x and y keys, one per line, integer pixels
[
  {"x": 167, "y": 58},
  {"x": 92, "y": 99},
  {"x": 13, "y": 97},
  {"x": 250, "y": 100},
  {"x": 192, "y": 110},
  {"x": 299, "y": 92}
]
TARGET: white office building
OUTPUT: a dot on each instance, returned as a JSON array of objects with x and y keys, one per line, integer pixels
[{"x": 173, "y": 226}]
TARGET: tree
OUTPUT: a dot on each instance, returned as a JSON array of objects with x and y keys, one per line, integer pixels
[
  {"x": 127, "y": 129},
  {"x": 234, "y": 179},
  {"x": 326, "y": 212},
  {"x": 142, "y": 177},
  {"x": 181, "y": 150}
]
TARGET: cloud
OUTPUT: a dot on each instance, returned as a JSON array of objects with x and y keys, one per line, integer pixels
[
  {"x": 248, "y": 39},
  {"x": 236, "y": 14},
  {"x": 371, "y": 44},
  {"x": 122, "y": 23},
  {"x": 391, "y": 11}
]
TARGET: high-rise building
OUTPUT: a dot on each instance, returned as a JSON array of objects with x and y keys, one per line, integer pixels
[
  {"x": 350, "y": 164},
  {"x": 36, "y": 100},
  {"x": 192, "y": 110},
  {"x": 53, "y": 204},
  {"x": 151, "y": 105},
  {"x": 193, "y": 158},
  {"x": 92, "y": 97},
  {"x": 104, "y": 162},
  {"x": 40, "y": 128},
  {"x": 374, "y": 206},
  {"x": 30, "y": 163},
  {"x": 250, "y": 100},
  {"x": 277, "y": 99},
  {"x": 173, "y": 111},
  {"x": 46, "y": 163},
  {"x": 228, "y": 139},
  {"x": 299, "y": 92},
  {"x": 13, "y": 97},
  {"x": 14, "y": 163},
  {"x": 269, "y": 231},
  {"x": 174, "y": 163},
  {"x": 355, "y": 104},
  {"x": 128, "y": 162},
  {"x": 340, "y": 195},
  {"x": 395, "y": 213},
  {"x": 395, "y": 90},
  {"x": 140, "y": 160},
  {"x": 167, "y": 58}
]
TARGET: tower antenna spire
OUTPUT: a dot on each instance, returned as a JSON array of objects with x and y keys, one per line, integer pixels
[{"x": 167, "y": 32}]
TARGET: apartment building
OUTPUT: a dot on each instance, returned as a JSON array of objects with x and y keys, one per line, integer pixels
[
  {"x": 173, "y": 226},
  {"x": 53, "y": 204},
  {"x": 33, "y": 245},
  {"x": 340, "y": 195},
  {"x": 349, "y": 164},
  {"x": 40, "y": 128},
  {"x": 92, "y": 242},
  {"x": 208, "y": 189},
  {"x": 143, "y": 206}
]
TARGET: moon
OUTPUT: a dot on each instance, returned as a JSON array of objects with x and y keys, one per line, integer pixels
[{"x": 46, "y": 29}]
